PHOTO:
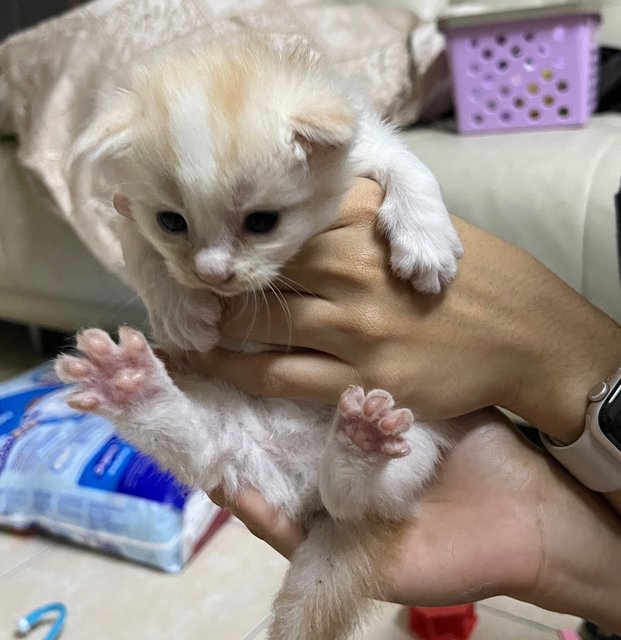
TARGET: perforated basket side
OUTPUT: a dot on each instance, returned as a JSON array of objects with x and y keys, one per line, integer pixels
[{"x": 533, "y": 73}]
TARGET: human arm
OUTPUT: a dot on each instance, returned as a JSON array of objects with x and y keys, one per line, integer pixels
[
  {"x": 492, "y": 338},
  {"x": 500, "y": 520},
  {"x": 507, "y": 332}
]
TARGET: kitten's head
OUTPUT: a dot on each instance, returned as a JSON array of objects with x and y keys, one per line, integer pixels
[{"x": 235, "y": 157}]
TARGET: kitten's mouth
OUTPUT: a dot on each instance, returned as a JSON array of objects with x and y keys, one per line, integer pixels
[{"x": 229, "y": 290}]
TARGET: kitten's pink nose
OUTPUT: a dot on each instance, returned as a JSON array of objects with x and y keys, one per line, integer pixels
[{"x": 213, "y": 266}]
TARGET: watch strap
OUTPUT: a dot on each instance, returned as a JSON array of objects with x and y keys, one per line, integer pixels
[{"x": 588, "y": 461}]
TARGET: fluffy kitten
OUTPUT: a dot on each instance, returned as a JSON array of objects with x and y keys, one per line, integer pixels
[{"x": 236, "y": 155}]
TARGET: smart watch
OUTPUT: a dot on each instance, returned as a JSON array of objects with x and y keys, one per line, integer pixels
[{"x": 595, "y": 457}]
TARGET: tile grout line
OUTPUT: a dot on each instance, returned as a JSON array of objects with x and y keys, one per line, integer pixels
[
  {"x": 254, "y": 632},
  {"x": 516, "y": 617},
  {"x": 24, "y": 563}
]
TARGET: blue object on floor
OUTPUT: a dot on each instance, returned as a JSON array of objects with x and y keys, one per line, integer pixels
[{"x": 30, "y": 620}]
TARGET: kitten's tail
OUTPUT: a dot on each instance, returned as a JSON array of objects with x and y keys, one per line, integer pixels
[{"x": 332, "y": 578}]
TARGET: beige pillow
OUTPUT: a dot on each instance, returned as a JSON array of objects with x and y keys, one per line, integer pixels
[{"x": 53, "y": 73}]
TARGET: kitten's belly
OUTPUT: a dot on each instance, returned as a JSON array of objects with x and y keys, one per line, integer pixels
[{"x": 277, "y": 444}]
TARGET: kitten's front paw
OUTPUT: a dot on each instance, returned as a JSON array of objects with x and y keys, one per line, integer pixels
[
  {"x": 113, "y": 379},
  {"x": 369, "y": 423},
  {"x": 427, "y": 260}
]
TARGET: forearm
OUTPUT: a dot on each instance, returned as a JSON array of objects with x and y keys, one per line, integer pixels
[
  {"x": 572, "y": 345},
  {"x": 555, "y": 344},
  {"x": 566, "y": 364},
  {"x": 581, "y": 574}
]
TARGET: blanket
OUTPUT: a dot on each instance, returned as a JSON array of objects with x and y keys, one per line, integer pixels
[{"x": 52, "y": 74}]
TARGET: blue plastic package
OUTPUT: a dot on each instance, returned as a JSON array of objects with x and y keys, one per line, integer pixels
[{"x": 69, "y": 474}]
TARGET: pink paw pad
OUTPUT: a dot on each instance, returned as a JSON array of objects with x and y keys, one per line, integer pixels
[
  {"x": 370, "y": 423},
  {"x": 111, "y": 377}
]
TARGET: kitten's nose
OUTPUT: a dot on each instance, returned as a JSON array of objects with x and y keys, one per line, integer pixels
[{"x": 213, "y": 266}]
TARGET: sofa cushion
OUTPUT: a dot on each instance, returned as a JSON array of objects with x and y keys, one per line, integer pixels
[
  {"x": 47, "y": 276},
  {"x": 551, "y": 192}
]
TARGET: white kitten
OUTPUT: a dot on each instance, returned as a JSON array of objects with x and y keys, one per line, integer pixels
[{"x": 236, "y": 155}]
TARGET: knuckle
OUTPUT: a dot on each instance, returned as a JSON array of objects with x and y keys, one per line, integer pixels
[
  {"x": 368, "y": 324},
  {"x": 273, "y": 377}
]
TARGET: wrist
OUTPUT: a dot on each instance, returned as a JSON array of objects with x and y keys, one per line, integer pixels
[{"x": 580, "y": 570}]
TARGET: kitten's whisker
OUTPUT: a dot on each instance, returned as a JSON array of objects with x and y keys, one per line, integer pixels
[
  {"x": 285, "y": 307},
  {"x": 246, "y": 295},
  {"x": 242, "y": 308},
  {"x": 116, "y": 309},
  {"x": 254, "y": 319},
  {"x": 267, "y": 307},
  {"x": 292, "y": 284}
]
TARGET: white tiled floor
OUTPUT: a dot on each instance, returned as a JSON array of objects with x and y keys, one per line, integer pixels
[{"x": 224, "y": 594}]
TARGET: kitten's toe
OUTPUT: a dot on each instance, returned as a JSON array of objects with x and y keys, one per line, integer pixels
[
  {"x": 428, "y": 261},
  {"x": 133, "y": 342},
  {"x": 396, "y": 422},
  {"x": 97, "y": 345},
  {"x": 368, "y": 424},
  {"x": 376, "y": 403},
  {"x": 72, "y": 369},
  {"x": 351, "y": 401},
  {"x": 427, "y": 281}
]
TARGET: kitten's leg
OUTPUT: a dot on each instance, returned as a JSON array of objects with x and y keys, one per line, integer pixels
[
  {"x": 332, "y": 577},
  {"x": 181, "y": 318},
  {"x": 424, "y": 245},
  {"x": 377, "y": 460},
  {"x": 129, "y": 385}
]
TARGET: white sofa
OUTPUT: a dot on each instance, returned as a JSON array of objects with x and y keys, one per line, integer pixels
[{"x": 550, "y": 192}]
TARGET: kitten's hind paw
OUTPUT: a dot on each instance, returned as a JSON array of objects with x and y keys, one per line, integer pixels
[
  {"x": 370, "y": 425},
  {"x": 112, "y": 378}
]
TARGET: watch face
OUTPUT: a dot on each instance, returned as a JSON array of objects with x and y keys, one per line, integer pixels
[{"x": 610, "y": 416}]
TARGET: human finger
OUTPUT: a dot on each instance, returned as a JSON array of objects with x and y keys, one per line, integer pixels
[
  {"x": 296, "y": 376},
  {"x": 284, "y": 319},
  {"x": 263, "y": 520},
  {"x": 347, "y": 244}
]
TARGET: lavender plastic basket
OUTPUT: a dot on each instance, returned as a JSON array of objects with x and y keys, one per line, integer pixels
[{"x": 518, "y": 72}]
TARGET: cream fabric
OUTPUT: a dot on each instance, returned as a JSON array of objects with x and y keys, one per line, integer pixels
[
  {"x": 53, "y": 72},
  {"x": 515, "y": 185},
  {"x": 550, "y": 192},
  {"x": 47, "y": 276}
]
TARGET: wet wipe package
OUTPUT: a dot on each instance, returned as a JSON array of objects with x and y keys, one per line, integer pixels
[{"x": 69, "y": 474}]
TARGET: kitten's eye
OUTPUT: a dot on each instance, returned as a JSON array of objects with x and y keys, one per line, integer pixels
[
  {"x": 261, "y": 221},
  {"x": 172, "y": 222}
]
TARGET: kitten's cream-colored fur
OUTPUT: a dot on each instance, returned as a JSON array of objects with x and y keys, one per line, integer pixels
[{"x": 212, "y": 137}]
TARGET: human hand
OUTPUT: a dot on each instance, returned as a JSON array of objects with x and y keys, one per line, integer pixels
[
  {"x": 507, "y": 332},
  {"x": 499, "y": 520}
]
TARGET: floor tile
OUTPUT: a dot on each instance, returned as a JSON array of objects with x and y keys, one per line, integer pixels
[
  {"x": 17, "y": 550},
  {"x": 391, "y": 624},
  {"x": 531, "y": 612},
  {"x": 497, "y": 625},
  {"x": 491, "y": 625},
  {"x": 225, "y": 593}
]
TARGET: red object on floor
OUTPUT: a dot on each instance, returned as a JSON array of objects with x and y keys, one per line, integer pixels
[{"x": 443, "y": 623}]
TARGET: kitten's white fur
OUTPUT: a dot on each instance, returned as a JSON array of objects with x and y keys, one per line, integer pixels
[{"x": 215, "y": 135}]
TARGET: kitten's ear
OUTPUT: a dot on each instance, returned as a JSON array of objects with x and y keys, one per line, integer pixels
[
  {"x": 111, "y": 132},
  {"x": 324, "y": 125},
  {"x": 122, "y": 205}
]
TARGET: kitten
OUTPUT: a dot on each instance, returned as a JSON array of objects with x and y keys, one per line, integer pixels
[{"x": 236, "y": 155}]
